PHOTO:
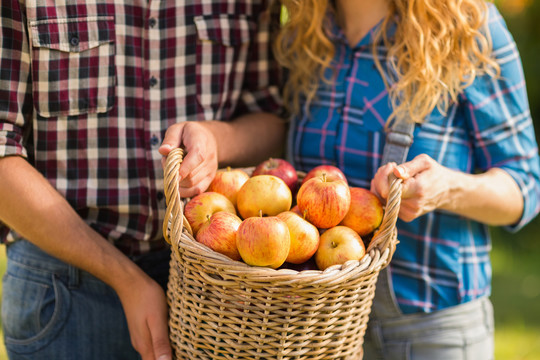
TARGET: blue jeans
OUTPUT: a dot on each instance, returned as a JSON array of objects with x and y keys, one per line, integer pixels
[
  {"x": 462, "y": 332},
  {"x": 52, "y": 310}
]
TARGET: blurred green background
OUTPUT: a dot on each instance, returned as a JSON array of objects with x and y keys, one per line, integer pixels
[{"x": 516, "y": 269}]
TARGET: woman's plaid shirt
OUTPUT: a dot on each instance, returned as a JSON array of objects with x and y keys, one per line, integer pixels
[
  {"x": 442, "y": 259},
  {"x": 88, "y": 88}
]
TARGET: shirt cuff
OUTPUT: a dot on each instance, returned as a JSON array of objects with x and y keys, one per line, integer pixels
[
  {"x": 530, "y": 190},
  {"x": 11, "y": 141}
]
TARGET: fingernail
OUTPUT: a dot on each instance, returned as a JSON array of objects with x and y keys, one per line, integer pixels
[
  {"x": 164, "y": 357},
  {"x": 400, "y": 171}
]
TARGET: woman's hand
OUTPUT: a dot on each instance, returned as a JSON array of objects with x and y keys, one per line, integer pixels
[
  {"x": 492, "y": 197},
  {"x": 200, "y": 162},
  {"x": 425, "y": 185}
]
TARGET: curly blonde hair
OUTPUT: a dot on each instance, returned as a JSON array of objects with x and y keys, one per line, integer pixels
[{"x": 438, "y": 49}]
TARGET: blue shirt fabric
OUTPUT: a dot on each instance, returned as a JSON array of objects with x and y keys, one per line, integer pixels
[{"x": 442, "y": 259}]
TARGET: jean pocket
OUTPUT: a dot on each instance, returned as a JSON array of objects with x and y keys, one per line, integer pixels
[
  {"x": 33, "y": 312},
  {"x": 73, "y": 68}
]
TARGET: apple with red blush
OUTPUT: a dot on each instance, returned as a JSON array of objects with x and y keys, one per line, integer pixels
[
  {"x": 324, "y": 201},
  {"x": 365, "y": 213},
  {"x": 280, "y": 168},
  {"x": 228, "y": 182},
  {"x": 304, "y": 237},
  {"x": 201, "y": 207},
  {"x": 219, "y": 233},
  {"x": 332, "y": 173},
  {"x": 263, "y": 241},
  {"x": 339, "y": 245}
]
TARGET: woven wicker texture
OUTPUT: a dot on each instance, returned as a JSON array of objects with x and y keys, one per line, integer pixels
[{"x": 225, "y": 309}]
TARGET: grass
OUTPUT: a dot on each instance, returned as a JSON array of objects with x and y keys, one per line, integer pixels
[{"x": 516, "y": 294}]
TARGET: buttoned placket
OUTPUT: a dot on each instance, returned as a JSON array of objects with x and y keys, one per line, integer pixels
[{"x": 153, "y": 92}]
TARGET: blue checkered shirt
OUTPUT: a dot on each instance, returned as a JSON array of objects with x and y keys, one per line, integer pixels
[{"x": 442, "y": 258}]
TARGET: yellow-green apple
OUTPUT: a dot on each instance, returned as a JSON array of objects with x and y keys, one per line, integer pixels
[
  {"x": 280, "y": 168},
  {"x": 365, "y": 213},
  {"x": 219, "y": 233},
  {"x": 324, "y": 201},
  {"x": 263, "y": 241},
  {"x": 200, "y": 207},
  {"x": 304, "y": 237},
  {"x": 332, "y": 172},
  {"x": 266, "y": 193},
  {"x": 338, "y": 245},
  {"x": 228, "y": 181}
]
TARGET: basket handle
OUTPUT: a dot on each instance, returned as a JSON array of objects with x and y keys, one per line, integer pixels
[
  {"x": 175, "y": 220},
  {"x": 383, "y": 238}
]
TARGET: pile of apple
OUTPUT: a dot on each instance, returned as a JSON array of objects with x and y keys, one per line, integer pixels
[{"x": 253, "y": 218}]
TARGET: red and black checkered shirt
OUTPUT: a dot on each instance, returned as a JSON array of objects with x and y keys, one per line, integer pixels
[{"x": 89, "y": 87}]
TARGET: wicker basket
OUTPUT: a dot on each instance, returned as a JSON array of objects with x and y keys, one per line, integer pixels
[{"x": 225, "y": 309}]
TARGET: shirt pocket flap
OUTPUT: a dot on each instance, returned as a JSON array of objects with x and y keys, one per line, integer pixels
[
  {"x": 72, "y": 34},
  {"x": 229, "y": 30}
]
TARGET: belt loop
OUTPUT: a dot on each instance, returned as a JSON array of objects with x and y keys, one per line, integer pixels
[{"x": 73, "y": 277}]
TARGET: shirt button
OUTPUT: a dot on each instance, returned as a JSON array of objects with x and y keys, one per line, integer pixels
[
  {"x": 74, "y": 41},
  {"x": 152, "y": 22},
  {"x": 153, "y": 81},
  {"x": 160, "y": 195},
  {"x": 154, "y": 140}
]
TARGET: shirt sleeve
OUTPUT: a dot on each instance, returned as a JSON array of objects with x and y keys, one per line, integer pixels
[
  {"x": 500, "y": 120},
  {"x": 261, "y": 90},
  {"x": 15, "y": 88}
]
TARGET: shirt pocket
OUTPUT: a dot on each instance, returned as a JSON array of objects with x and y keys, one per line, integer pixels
[
  {"x": 222, "y": 56},
  {"x": 73, "y": 69}
]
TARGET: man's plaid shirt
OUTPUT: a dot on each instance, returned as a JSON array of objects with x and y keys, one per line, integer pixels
[
  {"x": 442, "y": 259},
  {"x": 88, "y": 89}
]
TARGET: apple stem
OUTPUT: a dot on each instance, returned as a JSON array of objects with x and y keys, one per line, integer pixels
[
  {"x": 305, "y": 214},
  {"x": 260, "y": 213},
  {"x": 208, "y": 216},
  {"x": 323, "y": 177},
  {"x": 228, "y": 168},
  {"x": 334, "y": 245}
]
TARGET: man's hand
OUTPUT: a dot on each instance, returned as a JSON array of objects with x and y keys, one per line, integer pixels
[
  {"x": 145, "y": 306},
  {"x": 200, "y": 163}
]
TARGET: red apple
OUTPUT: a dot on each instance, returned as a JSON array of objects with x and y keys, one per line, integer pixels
[
  {"x": 263, "y": 241},
  {"x": 304, "y": 237},
  {"x": 219, "y": 233},
  {"x": 338, "y": 245},
  {"x": 365, "y": 213},
  {"x": 202, "y": 206},
  {"x": 324, "y": 201},
  {"x": 228, "y": 181},
  {"x": 266, "y": 193},
  {"x": 280, "y": 168},
  {"x": 331, "y": 172}
]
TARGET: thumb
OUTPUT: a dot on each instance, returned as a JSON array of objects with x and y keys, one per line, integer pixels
[{"x": 172, "y": 139}]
